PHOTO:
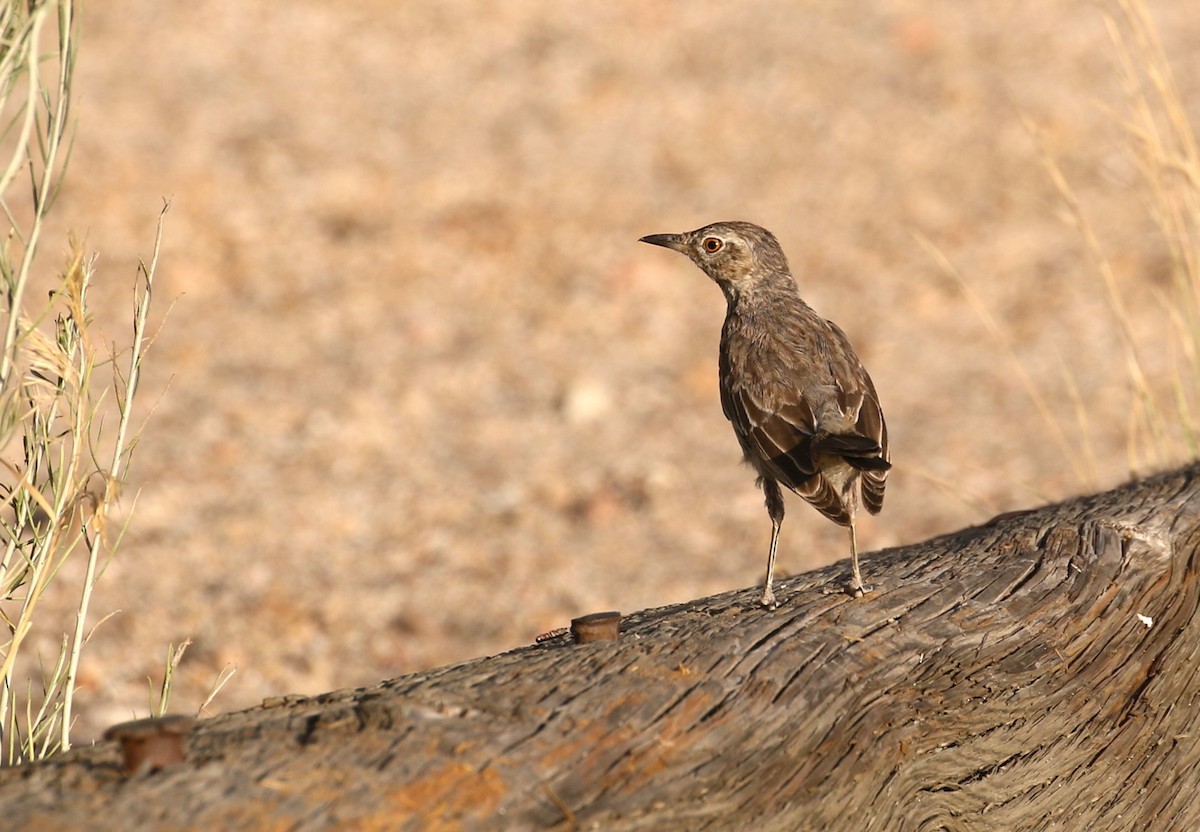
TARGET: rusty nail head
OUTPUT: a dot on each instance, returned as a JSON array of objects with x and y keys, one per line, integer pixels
[
  {"x": 599, "y": 626},
  {"x": 153, "y": 743}
]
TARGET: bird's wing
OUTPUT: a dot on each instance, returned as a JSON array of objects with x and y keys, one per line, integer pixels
[
  {"x": 773, "y": 423},
  {"x": 777, "y": 437},
  {"x": 869, "y": 431},
  {"x": 874, "y": 478},
  {"x": 792, "y": 444},
  {"x": 776, "y": 428}
]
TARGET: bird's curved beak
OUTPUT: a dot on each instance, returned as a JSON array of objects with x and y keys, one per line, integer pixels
[{"x": 671, "y": 241}]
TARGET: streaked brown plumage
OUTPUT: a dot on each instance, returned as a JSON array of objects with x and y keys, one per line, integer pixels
[{"x": 801, "y": 403}]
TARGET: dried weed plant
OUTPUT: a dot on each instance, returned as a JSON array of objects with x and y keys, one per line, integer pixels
[
  {"x": 1162, "y": 428},
  {"x": 66, "y": 433},
  {"x": 1163, "y": 421},
  {"x": 1163, "y": 424}
]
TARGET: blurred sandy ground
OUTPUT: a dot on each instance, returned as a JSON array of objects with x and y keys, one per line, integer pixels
[{"x": 427, "y": 394}]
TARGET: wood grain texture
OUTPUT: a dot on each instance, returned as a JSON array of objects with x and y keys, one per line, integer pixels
[{"x": 1039, "y": 672}]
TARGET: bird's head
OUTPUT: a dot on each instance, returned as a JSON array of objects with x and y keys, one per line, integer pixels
[{"x": 736, "y": 255}]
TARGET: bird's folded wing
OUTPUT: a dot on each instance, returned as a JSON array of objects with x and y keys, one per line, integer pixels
[
  {"x": 778, "y": 439},
  {"x": 784, "y": 442},
  {"x": 871, "y": 423}
]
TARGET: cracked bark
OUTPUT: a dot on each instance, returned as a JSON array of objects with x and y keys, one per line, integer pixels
[{"x": 1038, "y": 672}]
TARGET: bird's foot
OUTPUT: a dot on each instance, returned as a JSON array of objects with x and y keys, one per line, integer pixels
[
  {"x": 768, "y": 599},
  {"x": 852, "y": 589},
  {"x": 856, "y": 589}
]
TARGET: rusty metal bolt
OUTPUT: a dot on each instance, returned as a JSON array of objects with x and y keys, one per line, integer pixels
[
  {"x": 153, "y": 743},
  {"x": 599, "y": 626}
]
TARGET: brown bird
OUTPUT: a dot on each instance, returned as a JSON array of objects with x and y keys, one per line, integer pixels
[{"x": 801, "y": 403}]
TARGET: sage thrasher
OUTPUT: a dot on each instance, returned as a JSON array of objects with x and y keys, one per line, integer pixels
[{"x": 801, "y": 403}]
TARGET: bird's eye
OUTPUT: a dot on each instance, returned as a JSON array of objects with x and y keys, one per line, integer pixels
[{"x": 712, "y": 245}]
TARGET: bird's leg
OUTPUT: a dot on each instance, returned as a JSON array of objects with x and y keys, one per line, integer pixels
[
  {"x": 856, "y": 582},
  {"x": 774, "y": 499},
  {"x": 768, "y": 596}
]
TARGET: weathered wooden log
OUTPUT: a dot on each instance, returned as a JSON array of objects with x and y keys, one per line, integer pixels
[{"x": 1038, "y": 672}]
